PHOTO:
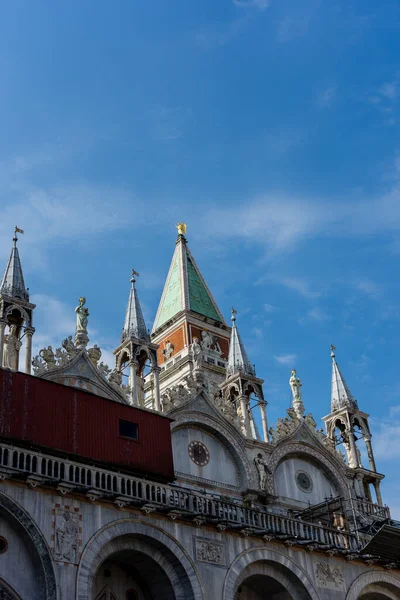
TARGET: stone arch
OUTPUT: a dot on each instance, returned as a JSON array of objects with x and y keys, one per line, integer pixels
[
  {"x": 330, "y": 465},
  {"x": 21, "y": 310},
  {"x": 127, "y": 533},
  {"x": 7, "y": 592},
  {"x": 232, "y": 440},
  {"x": 147, "y": 351},
  {"x": 15, "y": 513},
  {"x": 371, "y": 578},
  {"x": 263, "y": 561}
]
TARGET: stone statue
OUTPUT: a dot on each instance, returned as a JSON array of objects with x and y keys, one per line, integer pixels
[
  {"x": 38, "y": 365},
  {"x": 12, "y": 346},
  {"x": 168, "y": 350},
  {"x": 115, "y": 378},
  {"x": 262, "y": 469},
  {"x": 196, "y": 352},
  {"x": 103, "y": 369},
  {"x": 206, "y": 340},
  {"x": 82, "y": 314},
  {"x": 295, "y": 385},
  {"x": 66, "y": 542},
  {"x": 358, "y": 456}
]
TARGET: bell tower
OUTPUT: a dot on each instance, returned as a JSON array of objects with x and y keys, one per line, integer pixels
[
  {"x": 136, "y": 351},
  {"x": 189, "y": 328},
  {"x": 16, "y": 313},
  {"x": 346, "y": 424}
]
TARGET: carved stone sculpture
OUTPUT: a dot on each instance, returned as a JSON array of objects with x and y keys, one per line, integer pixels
[
  {"x": 12, "y": 346},
  {"x": 94, "y": 354},
  {"x": 67, "y": 539},
  {"x": 47, "y": 355},
  {"x": 168, "y": 350},
  {"x": 196, "y": 353},
  {"x": 82, "y": 315},
  {"x": 295, "y": 385},
  {"x": 103, "y": 369},
  {"x": 206, "y": 340},
  {"x": 262, "y": 469}
]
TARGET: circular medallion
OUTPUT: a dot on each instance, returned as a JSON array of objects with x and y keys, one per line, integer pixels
[
  {"x": 199, "y": 454},
  {"x": 304, "y": 481}
]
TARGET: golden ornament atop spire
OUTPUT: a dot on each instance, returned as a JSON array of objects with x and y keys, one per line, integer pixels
[{"x": 181, "y": 227}]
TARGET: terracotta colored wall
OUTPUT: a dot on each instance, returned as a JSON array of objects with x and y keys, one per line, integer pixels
[{"x": 177, "y": 337}]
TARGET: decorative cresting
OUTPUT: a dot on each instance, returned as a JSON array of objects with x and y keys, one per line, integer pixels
[
  {"x": 237, "y": 572},
  {"x": 15, "y": 512},
  {"x": 78, "y": 366},
  {"x": 292, "y": 447},
  {"x": 119, "y": 535},
  {"x": 370, "y": 578},
  {"x": 232, "y": 439}
]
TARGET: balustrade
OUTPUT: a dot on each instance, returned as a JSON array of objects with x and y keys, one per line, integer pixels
[{"x": 168, "y": 498}]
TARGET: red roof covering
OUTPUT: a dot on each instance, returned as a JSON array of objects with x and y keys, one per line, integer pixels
[{"x": 66, "y": 420}]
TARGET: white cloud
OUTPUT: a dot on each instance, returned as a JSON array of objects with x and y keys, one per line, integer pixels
[
  {"x": 292, "y": 27},
  {"x": 286, "y": 359},
  {"x": 326, "y": 97},
  {"x": 317, "y": 314},
  {"x": 297, "y": 284},
  {"x": 261, "y": 4},
  {"x": 368, "y": 287},
  {"x": 390, "y": 90},
  {"x": 269, "y": 308}
]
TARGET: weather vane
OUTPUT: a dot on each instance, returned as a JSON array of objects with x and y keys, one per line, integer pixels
[{"x": 133, "y": 275}]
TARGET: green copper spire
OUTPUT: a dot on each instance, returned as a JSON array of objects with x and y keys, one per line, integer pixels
[{"x": 185, "y": 288}]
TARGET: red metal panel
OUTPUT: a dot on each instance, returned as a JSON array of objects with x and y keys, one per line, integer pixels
[{"x": 54, "y": 416}]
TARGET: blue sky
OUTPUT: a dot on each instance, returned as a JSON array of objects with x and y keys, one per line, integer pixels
[{"x": 270, "y": 127}]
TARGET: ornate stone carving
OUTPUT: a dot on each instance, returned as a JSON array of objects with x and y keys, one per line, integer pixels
[
  {"x": 196, "y": 353},
  {"x": 12, "y": 346},
  {"x": 209, "y": 343},
  {"x": 178, "y": 394},
  {"x": 210, "y": 552},
  {"x": 66, "y": 525},
  {"x": 94, "y": 354},
  {"x": 168, "y": 350},
  {"x": 262, "y": 469},
  {"x": 329, "y": 576},
  {"x": 47, "y": 355},
  {"x": 297, "y": 402}
]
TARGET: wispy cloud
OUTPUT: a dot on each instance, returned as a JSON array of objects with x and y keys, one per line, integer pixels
[
  {"x": 317, "y": 314},
  {"x": 260, "y": 4},
  {"x": 326, "y": 97},
  {"x": 368, "y": 287},
  {"x": 269, "y": 308},
  {"x": 285, "y": 359},
  {"x": 291, "y": 27},
  {"x": 297, "y": 284}
]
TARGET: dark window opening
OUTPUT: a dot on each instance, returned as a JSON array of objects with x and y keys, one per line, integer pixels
[
  {"x": 128, "y": 429},
  {"x": 131, "y": 595}
]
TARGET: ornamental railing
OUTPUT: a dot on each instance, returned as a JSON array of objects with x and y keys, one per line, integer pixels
[{"x": 124, "y": 490}]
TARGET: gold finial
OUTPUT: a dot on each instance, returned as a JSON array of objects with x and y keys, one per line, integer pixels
[
  {"x": 333, "y": 348},
  {"x": 181, "y": 227},
  {"x": 234, "y": 313},
  {"x": 18, "y": 230}
]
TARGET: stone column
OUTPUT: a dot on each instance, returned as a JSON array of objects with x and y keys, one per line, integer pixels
[
  {"x": 28, "y": 350},
  {"x": 264, "y": 422},
  {"x": 371, "y": 458},
  {"x": 157, "y": 400},
  {"x": 359, "y": 485},
  {"x": 2, "y": 331},
  {"x": 378, "y": 493},
  {"x": 245, "y": 414},
  {"x": 132, "y": 382}
]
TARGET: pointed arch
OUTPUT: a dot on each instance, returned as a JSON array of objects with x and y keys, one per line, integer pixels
[{"x": 371, "y": 578}]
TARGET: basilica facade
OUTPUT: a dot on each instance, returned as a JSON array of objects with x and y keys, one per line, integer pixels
[{"x": 159, "y": 477}]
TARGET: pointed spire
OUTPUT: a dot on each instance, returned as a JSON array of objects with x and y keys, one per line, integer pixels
[
  {"x": 237, "y": 359},
  {"x": 341, "y": 396},
  {"x": 134, "y": 322},
  {"x": 185, "y": 288},
  {"x": 12, "y": 283}
]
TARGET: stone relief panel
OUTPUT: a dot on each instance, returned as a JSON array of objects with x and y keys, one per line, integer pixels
[
  {"x": 66, "y": 539},
  {"x": 209, "y": 552},
  {"x": 329, "y": 576}
]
